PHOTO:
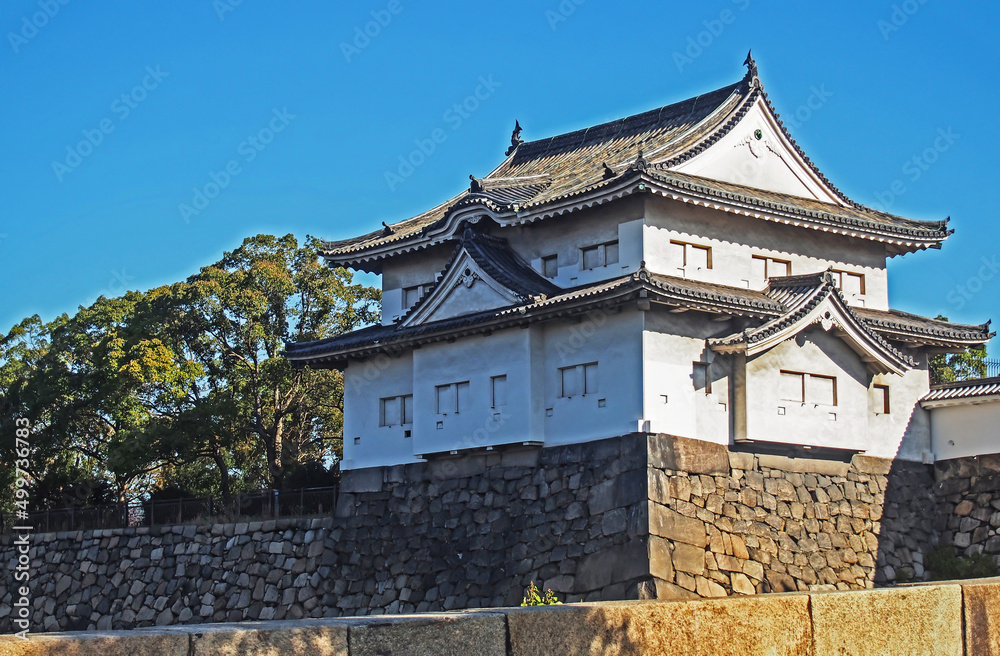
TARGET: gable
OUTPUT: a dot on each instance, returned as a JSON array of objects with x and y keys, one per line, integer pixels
[
  {"x": 769, "y": 162},
  {"x": 465, "y": 287}
]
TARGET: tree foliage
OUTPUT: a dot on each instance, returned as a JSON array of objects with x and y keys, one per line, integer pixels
[
  {"x": 184, "y": 387},
  {"x": 954, "y": 367}
]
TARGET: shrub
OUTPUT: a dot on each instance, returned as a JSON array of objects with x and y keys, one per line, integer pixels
[
  {"x": 944, "y": 564},
  {"x": 533, "y": 597}
]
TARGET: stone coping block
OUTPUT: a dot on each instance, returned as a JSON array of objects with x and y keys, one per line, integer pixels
[
  {"x": 804, "y": 465},
  {"x": 982, "y": 617},
  {"x": 132, "y": 643},
  {"x": 768, "y": 625},
  {"x": 476, "y": 633},
  {"x": 689, "y": 455},
  {"x": 907, "y": 621}
]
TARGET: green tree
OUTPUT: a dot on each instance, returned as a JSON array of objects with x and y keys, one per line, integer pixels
[
  {"x": 952, "y": 367},
  {"x": 268, "y": 292}
]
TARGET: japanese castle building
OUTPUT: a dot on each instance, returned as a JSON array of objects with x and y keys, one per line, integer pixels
[{"x": 685, "y": 271}]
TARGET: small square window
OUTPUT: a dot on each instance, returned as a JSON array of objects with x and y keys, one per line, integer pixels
[
  {"x": 792, "y": 387},
  {"x": 412, "y": 294},
  {"x": 550, "y": 266},
  {"x": 601, "y": 255}
]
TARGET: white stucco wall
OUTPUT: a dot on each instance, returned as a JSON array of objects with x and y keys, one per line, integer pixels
[
  {"x": 735, "y": 239},
  {"x": 966, "y": 430},
  {"x": 366, "y": 444},
  {"x": 769, "y": 162},
  {"x": 614, "y": 341},
  {"x": 675, "y": 399}
]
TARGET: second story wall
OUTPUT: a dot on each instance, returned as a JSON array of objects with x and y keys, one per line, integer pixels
[{"x": 728, "y": 249}]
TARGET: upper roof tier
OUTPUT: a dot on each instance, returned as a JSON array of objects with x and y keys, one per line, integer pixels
[{"x": 653, "y": 152}]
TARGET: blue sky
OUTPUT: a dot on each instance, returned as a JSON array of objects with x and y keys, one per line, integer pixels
[{"x": 298, "y": 116}]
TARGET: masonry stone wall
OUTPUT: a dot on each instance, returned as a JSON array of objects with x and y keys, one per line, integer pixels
[
  {"x": 968, "y": 517},
  {"x": 635, "y": 517},
  {"x": 730, "y": 522}
]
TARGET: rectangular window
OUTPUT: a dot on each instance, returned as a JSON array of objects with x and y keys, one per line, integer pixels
[
  {"x": 601, "y": 255},
  {"x": 793, "y": 387},
  {"x": 498, "y": 387},
  {"x": 394, "y": 410},
  {"x": 413, "y": 294},
  {"x": 550, "y": 266},
  {"x": 692, "y": 256},
  {"x": 881, "y": 399},
  {"x": 808, "y": 388},
  {"x": 452, "y": 398},
  {"x": 769, "y": 267},
  {"x": 578, "y": 380},
  {"x": 821, "y": 390},
  {"x": 852, "y": 284},
  {"x": 703, "y": 376}
]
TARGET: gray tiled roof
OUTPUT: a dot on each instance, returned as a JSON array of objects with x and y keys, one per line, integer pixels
[
  {"x": 968, "y": 389},
  {"x": 577, "y": 163}
]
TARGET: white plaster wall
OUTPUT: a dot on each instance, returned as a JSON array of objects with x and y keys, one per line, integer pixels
[
  {"x": 364, "y": 384},
  {"x": 671, "y": 344},
  {"x": 475, "y": 359},
  {"x": 766, "y": 163},
  {"x": 408, "y": 270},
  {"x": 960, "y": 431},
  {"x": 735, "y": 239},
  {"x": 816, "y": 352},
  {"x": 614, "y": 341},
  {"x": 906, "y": 431},
  {"x": 565, "y": 236}
]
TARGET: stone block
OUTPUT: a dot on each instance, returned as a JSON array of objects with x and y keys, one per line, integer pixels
[
  {"x": 623, "y": 490},
  {"x": 135, "y": 643},
  {"x": 660, "y": 564},
  {"x": 319, "y": 637},
  {"x": 520, "y": 458},
  {"x": 871, "y": 465},
  {"x": 617, "y": 564},
  {"x": 689, "y": 559},
  {"x": 448, "y": 468},
  {"x": 982, "y": 617},
  {"x": 462, "y": 634},
  {"x": 749, "y": 626},
  {"x": 362, "y": 480},
  {"x": 804, "y": 465},
  {"x": 671, "y": 525},
  {"x": 685, "y": 454},
  {"x": 742, "y": 461},
  {"x": 908, "y": 621}
]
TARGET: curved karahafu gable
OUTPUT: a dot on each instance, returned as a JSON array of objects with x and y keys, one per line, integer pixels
[
  {"x": 815, "y": 299},
  {"x": 726, "y": 148}
]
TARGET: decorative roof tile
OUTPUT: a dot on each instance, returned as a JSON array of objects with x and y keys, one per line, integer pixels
[{"x": 966, "y": 389}]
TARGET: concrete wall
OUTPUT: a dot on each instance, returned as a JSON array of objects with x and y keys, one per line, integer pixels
[{"x": 953, "y": 619}]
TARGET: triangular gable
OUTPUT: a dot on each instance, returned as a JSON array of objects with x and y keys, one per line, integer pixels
[
  {"x": 483, "y": 274},
  {"x": 757, "y": 152},
  {"x": 824, "y": 306}
]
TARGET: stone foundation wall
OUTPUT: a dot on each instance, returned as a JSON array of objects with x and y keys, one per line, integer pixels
[
  {"x": 969, "y": 513},
  {"x": 452, "y": 534},
  {"x": 723, "y": 522},
  {"x": 634, "y": 517}
]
